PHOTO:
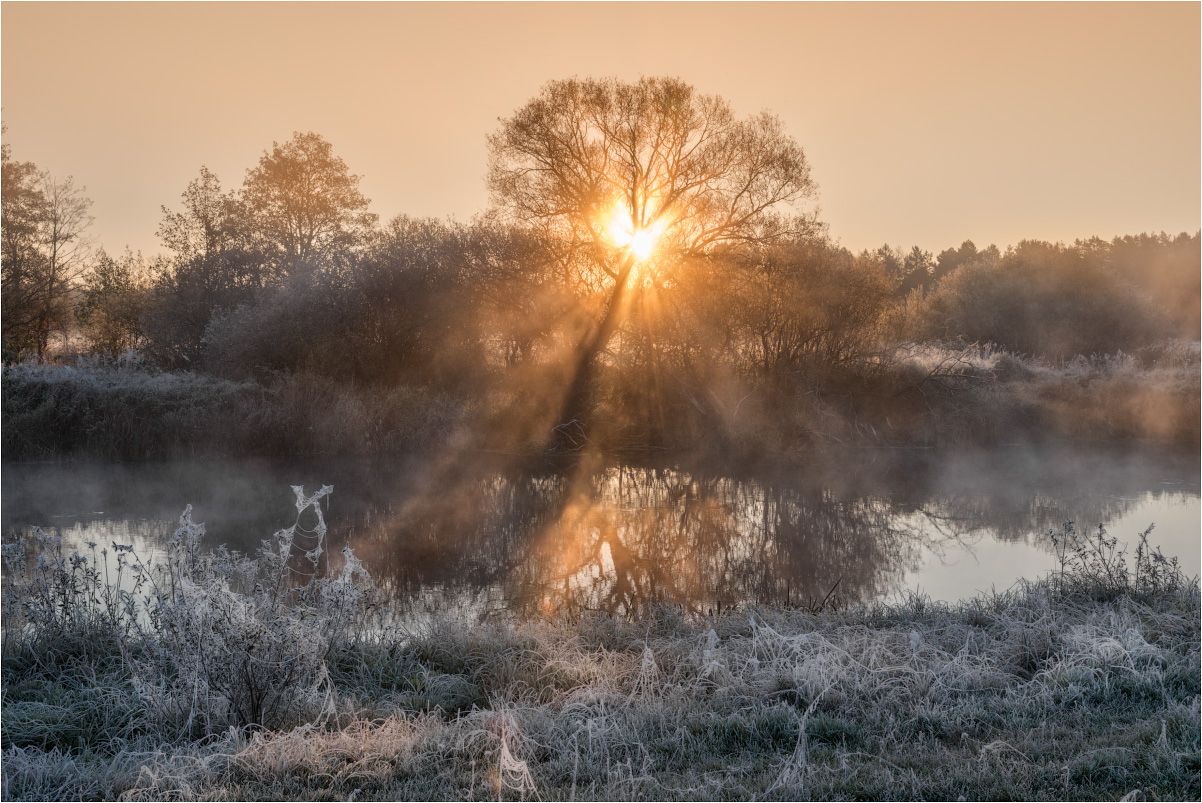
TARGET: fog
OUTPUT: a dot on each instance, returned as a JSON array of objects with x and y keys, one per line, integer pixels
[{"x": 860, "y": 525}]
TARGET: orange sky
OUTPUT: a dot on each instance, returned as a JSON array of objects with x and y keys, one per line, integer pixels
[{"x": 924, "y": 124}]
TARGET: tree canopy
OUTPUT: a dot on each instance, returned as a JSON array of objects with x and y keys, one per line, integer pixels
[
  {"x": 304, "y": 200},
  {"x": 614, "y": 171}
]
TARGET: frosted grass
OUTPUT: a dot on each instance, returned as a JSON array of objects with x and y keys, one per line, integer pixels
[{"x": 1084, "y": 684}]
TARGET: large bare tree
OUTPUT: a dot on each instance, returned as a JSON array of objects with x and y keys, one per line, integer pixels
[{"x": 619, "y": 177}]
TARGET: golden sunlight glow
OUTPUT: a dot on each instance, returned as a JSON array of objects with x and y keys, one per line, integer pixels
[
  {"x": 621, "y": 232},
  {"x": 643, "y": 243}
]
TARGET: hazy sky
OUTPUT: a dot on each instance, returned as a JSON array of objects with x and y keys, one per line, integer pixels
[{"x": 924, "y": 124}]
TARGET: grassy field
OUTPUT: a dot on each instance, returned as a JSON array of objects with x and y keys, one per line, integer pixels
[{"x": 202, "y": 679}]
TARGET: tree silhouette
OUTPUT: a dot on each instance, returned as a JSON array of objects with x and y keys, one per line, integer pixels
[
  {"x": 113, "y": 300},
  {"x": 217, "y": 261},
  {"x": 45, "y": 254},
  {"x": 304, "y": 200},
  {"x": 22, "y": 208},
  {"x": 617, "y": 176}
]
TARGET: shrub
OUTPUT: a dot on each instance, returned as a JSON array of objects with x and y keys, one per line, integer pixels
[
  {"x": 1098, "y": 565},
  {"x": 1046, "y": 300},
  {"x": 210, "y": 638}
]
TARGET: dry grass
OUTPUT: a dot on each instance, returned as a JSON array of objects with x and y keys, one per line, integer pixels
[
  {"x": 1071, "y": 687},
  {"x": 984, "y": 395}
]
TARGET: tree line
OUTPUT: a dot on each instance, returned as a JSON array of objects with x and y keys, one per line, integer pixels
[{"x": 645, "y": 247}]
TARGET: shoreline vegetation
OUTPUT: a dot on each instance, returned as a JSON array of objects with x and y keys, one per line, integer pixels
[
  {"x": 223, "y": 676},
  {"x": 114, "y": 411}
]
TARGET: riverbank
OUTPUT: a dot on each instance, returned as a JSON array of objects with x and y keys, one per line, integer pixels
[
  {"x": 933, "y": 397},
  {"x": 126, "y": 413},
  {"x": 1083, "y": 685}
]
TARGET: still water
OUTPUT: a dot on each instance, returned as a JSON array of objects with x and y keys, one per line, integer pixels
[{"x": 484, "y": 533}]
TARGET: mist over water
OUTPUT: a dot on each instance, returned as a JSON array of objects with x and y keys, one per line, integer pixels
[{"x": 857, "y": 524}]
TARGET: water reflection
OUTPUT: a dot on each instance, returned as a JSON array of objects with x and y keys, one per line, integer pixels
[
  {"x": 609, "y": 538},
  {"x": 482, "y": 536}
]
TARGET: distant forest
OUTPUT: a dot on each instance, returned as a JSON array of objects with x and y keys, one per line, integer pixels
[{"x": 766, "y": 335}]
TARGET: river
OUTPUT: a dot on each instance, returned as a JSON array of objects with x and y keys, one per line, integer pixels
[{"x": 479, "y": 534}]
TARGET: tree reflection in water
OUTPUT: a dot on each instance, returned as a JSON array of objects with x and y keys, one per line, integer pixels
[
  {"x": 612, "y": 537},
  {"x": 479, "y": 534}
]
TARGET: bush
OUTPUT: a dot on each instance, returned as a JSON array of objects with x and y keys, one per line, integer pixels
[
  {"x": 209, "y": 638},
  {"x": 1050, "y": 301},
  {"x": 1097, "y": 565},
  {"x": 427, "y": 303}
]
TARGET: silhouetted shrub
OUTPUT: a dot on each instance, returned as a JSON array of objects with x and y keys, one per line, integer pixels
[
  {"x": 426, "y": 303},
  {"x": 1046, "y": 300}
]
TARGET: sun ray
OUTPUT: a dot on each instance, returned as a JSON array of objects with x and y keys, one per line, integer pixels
[{"x": 621, "y": 231}]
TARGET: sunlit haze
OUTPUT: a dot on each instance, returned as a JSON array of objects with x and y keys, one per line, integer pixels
[
  {"x": 621, "y": 231},
  {"x": 723, "y": 400},
  {"x": 924, "y": 124}
]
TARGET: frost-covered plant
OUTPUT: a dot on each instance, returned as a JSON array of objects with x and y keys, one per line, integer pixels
[
  {"x": 1021, "y": 694},
  {"x": 1098, "y": 564},
  {"x": 54, "y": 602},
  {"x": 212, "y": 637},
  {"x": 254, "y": 633}
]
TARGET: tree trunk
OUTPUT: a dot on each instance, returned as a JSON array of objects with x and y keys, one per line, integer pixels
[{"x": 571, "y": 428}]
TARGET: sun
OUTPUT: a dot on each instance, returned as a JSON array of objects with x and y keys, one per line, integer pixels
[
  {"x": 643, "y": 243},
  {"x": 621, "y": 232}
]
